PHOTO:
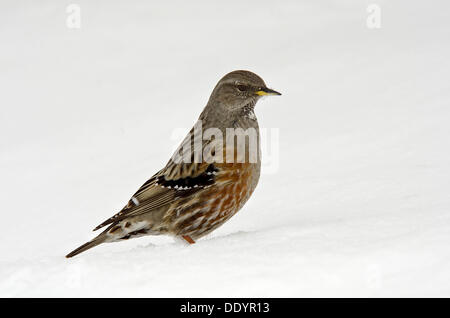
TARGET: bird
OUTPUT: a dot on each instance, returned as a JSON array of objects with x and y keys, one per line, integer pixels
[{"x": 195, "y": 192}]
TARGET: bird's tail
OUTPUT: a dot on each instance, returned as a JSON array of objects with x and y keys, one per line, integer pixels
[
  {"x": 101, "y": 238},
  {"x": 83, "y": 248}
]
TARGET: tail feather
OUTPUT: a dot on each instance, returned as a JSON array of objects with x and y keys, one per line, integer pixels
[
  {"x": 99, "y": 239},
  {"x": 84, "y": 247}
]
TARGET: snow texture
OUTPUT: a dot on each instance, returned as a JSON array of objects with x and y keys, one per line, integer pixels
[{"x": 359, "y": 204}]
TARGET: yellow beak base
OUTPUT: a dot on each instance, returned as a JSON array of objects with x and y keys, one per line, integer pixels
[{"x": 266, "y": 92}]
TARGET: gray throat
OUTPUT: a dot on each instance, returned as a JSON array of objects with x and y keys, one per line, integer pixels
[{"x": 249, "y": 111}]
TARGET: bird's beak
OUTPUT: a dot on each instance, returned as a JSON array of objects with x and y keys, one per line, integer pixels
[{"x": 264, "y": 91}]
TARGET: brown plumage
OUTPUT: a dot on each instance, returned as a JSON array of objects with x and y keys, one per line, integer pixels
[{"x": 194, "y": 195}]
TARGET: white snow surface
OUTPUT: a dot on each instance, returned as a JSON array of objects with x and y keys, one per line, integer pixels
[{"x": 359, "y": 205}]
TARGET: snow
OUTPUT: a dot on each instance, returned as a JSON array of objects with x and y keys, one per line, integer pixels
[{"x": 358, "y": 204}]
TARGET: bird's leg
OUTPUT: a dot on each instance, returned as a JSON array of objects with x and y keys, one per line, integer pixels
[{"x": 188, "y": 239}]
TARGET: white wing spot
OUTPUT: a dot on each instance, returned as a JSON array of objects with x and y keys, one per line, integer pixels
[{"x": 135, "y": 201}]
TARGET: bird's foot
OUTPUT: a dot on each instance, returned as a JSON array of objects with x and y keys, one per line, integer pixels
[{"x": 188, "y": 239}]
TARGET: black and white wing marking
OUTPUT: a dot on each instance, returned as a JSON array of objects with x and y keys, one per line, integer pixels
[{"x": 161, "y": 190}]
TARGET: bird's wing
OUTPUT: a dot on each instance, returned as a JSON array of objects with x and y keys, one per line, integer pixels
[
  {"x": 174, "y": 181},
  {"x": 163, "y": 189}
]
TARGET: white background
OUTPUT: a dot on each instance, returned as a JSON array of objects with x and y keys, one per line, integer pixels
[{"x": 359, "y": 205}]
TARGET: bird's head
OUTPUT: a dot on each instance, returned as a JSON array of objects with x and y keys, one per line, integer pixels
[{"x": 239, "y": 89}]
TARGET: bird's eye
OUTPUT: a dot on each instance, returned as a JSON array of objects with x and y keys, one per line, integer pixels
[{"x": 241, "y": 88}]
